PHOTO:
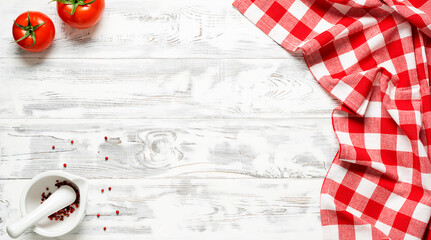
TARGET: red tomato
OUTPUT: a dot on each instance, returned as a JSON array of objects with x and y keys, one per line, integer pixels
[
  {"x": 33, "y": 31},
  {"x": 80, "y": 13}
]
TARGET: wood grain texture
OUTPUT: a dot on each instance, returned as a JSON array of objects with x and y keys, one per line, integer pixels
[
  {"x": 160, "y": 148},
  {"x": 150, "y": 29},
  {"x": 169, "y": 88},
  {"x": 189, "y": 209}
]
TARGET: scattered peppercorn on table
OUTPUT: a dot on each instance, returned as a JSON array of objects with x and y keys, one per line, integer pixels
[{"x": 187, "y": 120}]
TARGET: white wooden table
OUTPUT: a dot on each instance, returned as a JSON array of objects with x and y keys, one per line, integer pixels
[{"x": 215, "y": 131}]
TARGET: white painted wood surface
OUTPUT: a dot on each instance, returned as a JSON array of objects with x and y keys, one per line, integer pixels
[
  {"x": 215, "y": 131},
  {"x": 192, "y": 209}
]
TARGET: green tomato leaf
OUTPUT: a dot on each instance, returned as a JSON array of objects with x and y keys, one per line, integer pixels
[
  {"x": 23, "y": 37},
  {"x": 20, "y": 26},
  {"x": 74, "y": 7},
  {"x": 28, "y": 19},
  {"x": 35, "y": 27},
  {"x": 33, "y": 36},
  {"x": 87, "y": 3}
]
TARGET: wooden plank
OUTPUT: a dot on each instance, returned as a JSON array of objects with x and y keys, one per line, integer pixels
[
  {"x": 189, "y": 209},
  {"x": 274, "y": 88},
  {"x": 168, "y": 88},
  {"x": 160, "y": 148},
  {"x": 149, "y": 29}
]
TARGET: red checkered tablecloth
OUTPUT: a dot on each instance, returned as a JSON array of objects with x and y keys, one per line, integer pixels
[{"x": 374, "y": 57}]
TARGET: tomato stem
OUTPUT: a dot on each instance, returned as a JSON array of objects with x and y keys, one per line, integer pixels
[
  {"x": 74, "y": 3},
  {"x": 29, "y": 30}
]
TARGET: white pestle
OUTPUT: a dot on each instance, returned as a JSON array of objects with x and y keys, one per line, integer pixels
[{"x": 63, "y": 197}]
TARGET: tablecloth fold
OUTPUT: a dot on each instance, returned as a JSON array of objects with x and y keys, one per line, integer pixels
[{"x": 374, "y": 57}]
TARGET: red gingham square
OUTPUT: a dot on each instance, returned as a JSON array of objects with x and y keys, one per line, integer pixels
[
  {"x": 374, "y": 56},
  {"x": 276, "y": 11}
]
